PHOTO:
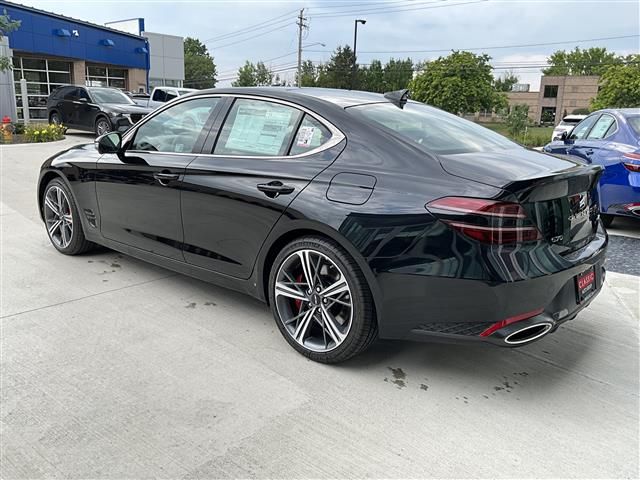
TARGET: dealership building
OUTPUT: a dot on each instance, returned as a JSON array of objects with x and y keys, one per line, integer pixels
[{"x": 49, "y": 50}]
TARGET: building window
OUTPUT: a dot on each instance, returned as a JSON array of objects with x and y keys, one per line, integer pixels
[
  {"x": 548, "y": 115},
  {"x": 43, "y": 77},
  {"x": 550, "y": 91},
  {"x": 101, "y": 76}
]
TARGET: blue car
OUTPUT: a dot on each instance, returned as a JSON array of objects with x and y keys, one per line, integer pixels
[{"x": 610, "y": 138}]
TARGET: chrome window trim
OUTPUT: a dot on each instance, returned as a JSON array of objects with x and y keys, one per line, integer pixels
[{"x": 336, "y": 135}]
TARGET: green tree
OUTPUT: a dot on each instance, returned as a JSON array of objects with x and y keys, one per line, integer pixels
[
  {"x": 307, "y": 74},
  {"x": 397, "y": 74},
  {"x": 506, "y": 81},
  {"x": 337, "y": 71},
  {"x": 264, "y": 76},
  {"x": 246, "y": 76},
  {"x": 619, "y": 85},
  {"x": 517, "y": 119},
  {"x": 6, "y": 27},
  {"x": 371, "y": 78},
  {"x": 591, "y": 61},
  {"x": 460, "y": 83},
  {"x": 199, "y": 67}
]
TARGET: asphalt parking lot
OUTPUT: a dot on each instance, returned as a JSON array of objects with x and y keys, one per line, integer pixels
[{"x": 114, "y": 368}]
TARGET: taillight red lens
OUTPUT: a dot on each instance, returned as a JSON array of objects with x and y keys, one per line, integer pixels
[
  {"x": 487, "y": 221},
  {"x": 632, "y": 167},
  {"x": 508, "y": 321}
]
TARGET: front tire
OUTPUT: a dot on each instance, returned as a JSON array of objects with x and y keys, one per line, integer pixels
[
  {"x": 103, "y": 125},
  {"x": 62, "y": 220},
  {"x": 321, "y": 301},
  {"x": 55, "y": 119}
]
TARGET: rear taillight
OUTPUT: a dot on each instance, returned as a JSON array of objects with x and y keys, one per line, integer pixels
[
  {"x": 631, "y": 166},
  {"x": 487, "y": 221}
]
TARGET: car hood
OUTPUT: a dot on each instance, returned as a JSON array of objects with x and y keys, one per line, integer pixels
[
  {"x": 124, "y": 108},
  {"x": 501, "y": 168}
]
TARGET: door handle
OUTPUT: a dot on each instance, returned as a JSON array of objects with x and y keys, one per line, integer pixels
[
  {"x": 164, "y": 178},
  {"x": 275, "y": 188},
  {"x": 589, "y": 152}
]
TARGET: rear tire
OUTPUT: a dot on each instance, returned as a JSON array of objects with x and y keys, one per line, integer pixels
[
  {"x": 607, "y": 220},
  {"x": 331, "y": 318},
  {"x": 62, "y": 220}
]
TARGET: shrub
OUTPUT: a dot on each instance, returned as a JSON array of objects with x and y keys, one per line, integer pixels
[{"x": 43, "y": 133}]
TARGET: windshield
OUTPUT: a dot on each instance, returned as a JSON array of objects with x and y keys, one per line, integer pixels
[
  {"x": 571, "y": 121},
  {"x": 110, "y": 95},
  {"x": 634, "y": 122},
  {"x": 436, "y": 130}
]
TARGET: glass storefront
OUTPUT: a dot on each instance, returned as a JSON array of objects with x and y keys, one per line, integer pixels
[
  {"x": 101, "y": 76},
  {"x": 42, "y": 76}
]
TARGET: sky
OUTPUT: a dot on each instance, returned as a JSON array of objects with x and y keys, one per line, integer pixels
[{"x": 422, "y": 30}]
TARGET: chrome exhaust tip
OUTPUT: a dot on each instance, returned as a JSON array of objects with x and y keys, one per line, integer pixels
[{"x": 528, "y": 333}]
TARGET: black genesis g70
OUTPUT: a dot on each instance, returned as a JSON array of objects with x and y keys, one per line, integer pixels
[{"x": 353, "y": 215}]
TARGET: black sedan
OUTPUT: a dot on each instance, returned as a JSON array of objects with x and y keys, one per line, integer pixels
[
  {"x": 93, "y": 109},
  {"x": 353, "y": 215}
]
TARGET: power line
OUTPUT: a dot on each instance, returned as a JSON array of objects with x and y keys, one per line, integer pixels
[
  {"x": 373, "y": 9},
  {"x": 399, "y": 9},
  {"x": 495, "y": 47},
  {"x": 250, "y": 28},
  {"x": 251, "y": 37}
]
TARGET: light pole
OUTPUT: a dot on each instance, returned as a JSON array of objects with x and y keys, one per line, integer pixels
[
  {"x": 355, "y": 41},
  {"x": 299, "y": 79}
]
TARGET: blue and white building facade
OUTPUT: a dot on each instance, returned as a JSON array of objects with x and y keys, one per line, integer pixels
[{"x": 51, "y": 50}]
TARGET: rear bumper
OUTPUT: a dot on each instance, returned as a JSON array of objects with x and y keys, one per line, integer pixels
[{"x": 417, "y": 307}]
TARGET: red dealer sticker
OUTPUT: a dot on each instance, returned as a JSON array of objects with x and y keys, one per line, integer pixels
[{"x": 586, "y": 283}]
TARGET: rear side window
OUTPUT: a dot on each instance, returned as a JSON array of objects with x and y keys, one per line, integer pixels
[
  {"x": 257, "y": 128},
  {"x": 309, "y": 136},
  {"x": 159, "y": 96},
  {"x": 71, "y": 94},
  {"x": 634, "y": 123},
  {"x": 176, "y": 129},
  {"x": 603, "y": 127},
  {"x": 581, "y": 130},
  {"x": 436, "y": 130}
]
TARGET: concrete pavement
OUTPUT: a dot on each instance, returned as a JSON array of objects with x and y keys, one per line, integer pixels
[{"x": 114, "y": 368}]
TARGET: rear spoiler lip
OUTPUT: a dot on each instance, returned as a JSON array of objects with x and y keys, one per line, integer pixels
[{"x": 524, "y": 188}]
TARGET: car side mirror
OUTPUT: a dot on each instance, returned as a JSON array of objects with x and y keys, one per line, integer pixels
[
  {"x": 83, "y": 100},
  {"x": 109, "y": 143}
]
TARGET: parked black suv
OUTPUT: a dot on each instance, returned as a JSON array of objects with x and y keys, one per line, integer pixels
[{"x": 94, "y": 109}]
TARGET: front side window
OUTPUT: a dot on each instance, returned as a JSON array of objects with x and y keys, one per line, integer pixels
[
  {"x": 176, "y": 129},
  {"x": 257, "y": 128},
  {"x": 310, "y": 135},
  {"x": 438, "y": 131},
  {"x": 583, "y": 128},
  {"x": 603, "y": 127}
]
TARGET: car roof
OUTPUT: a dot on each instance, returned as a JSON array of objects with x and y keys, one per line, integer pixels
[
  {"x": 341, "y": 98},
  {"x": 574, "y": 117},
  {"x": 621, "y": 111}
]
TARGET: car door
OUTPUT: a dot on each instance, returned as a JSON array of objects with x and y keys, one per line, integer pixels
[
  {"x": 138, "y": 190},
  {"x": 85, "y": 109},
  {"x": 264, "y": 153},
  {"x": 573, "y": 142},
  {"x": 597, "y": 138},
  {"x": 579, "y": 136},
  {"x": 67, "y": 107}
]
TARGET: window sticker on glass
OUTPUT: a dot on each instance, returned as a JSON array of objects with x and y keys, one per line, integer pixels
[
  {"x": 305, "y": 136},
  {"x": 260, "y": 129}
]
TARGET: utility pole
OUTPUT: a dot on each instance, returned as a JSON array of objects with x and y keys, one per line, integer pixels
[{"x": 301, "y": 26}]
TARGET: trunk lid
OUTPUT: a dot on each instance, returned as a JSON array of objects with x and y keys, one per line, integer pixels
[{"x": 558, "y": 194}]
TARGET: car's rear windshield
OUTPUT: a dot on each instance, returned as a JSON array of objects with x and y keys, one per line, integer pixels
[
  {"x": 634, "y": 122},
  {"x": 571, "y": 121},
  {"x": 109, "y": 95},
  {"x": 436, "y": 130}
]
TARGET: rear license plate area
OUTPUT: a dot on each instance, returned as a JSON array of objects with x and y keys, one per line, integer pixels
[{"x": 585, "y": 284}]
